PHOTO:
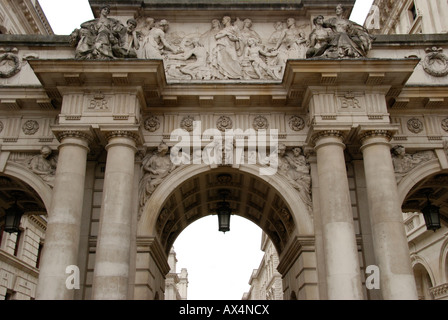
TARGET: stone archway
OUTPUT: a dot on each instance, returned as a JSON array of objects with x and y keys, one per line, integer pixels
[{"x": 192, "y": 192}]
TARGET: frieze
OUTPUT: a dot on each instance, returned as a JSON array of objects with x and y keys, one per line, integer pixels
[{"x": 231, "y": 49}]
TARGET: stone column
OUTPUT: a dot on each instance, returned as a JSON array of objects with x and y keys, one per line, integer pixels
[
  {"x": 388, "y": 231},
  {"x": 64, "y": 218},
  {"x": 110, "y": 280},
  {"x": 340, "y": 248}
]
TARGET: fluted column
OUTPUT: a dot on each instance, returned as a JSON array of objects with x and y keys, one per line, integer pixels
[
  {"x": 110, "y": 280},
  {"x": 389, "y": 237},
  {"x": 64, "y": 217},
  {"x": 340, "y": 248}
]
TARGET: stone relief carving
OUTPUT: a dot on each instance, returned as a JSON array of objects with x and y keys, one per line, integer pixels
[
  {"x": 404, "y": 162},
  {"x": 445, "y": 124},
  {"x": 156, "y": 166},
  {"x": 9, "y": 64},
  {"x": 294, "y": 167},
  {"x": 1, "y": 126},
  {"x": 436, "y": 62},
  {"x": 152, "y": 124},
  {"x": 187, "y": 123},
  {"x": 229, "y": 50},
  {"x": 260, "y": 123},
  {"x": 30, "y": 127},
  {"x": 44, "y": 164},
  {"x": 415, "y": 125},
  {"x": 296, "y": 123},
  {"x": 224, "y": 123}
]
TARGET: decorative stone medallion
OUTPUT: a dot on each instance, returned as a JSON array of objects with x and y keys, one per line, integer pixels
[
  {"x": 9, "y": 65},
  {"x": 436, "y": 62},
  {"x": 260, "y": 123},
  {"x": 415, "y": 125},
  {"x": 152, "y": 124},
  {"x": 296, "y": 123},
  {"x": 187, "y": 123},
  {"x": 445, "y": 124},
  {"x": 224, "y": 123},
  {"x": 30, "y": 127}
]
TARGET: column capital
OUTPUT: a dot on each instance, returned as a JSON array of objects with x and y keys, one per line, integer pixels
[
  {"x": 320, "y": 138},
  {"x": 81, "y": 136},
  {"x": 133, "y": 135},
  {"x": 376, "y": 136}
]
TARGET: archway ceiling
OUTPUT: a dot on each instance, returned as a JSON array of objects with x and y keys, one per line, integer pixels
[
  {"x": 438, "y": 186},
  {"x": 249, "y": 197},
  {"x": 27, "y": 199}
]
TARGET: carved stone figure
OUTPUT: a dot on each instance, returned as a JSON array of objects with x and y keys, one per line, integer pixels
[
  {"x": 155, "y": 168},
  {"x": 319, "y": 39},
  {"x": 294, "y": 167},
  {"x": 97, "y": 37},
  {"x": 155, "y": 42},
  {"x": 128, "y": 42},
  {"x": 44, "y": 165},
  {"x": 404, "y": 162},
  {"x": 348, "y": 39},
  {"x": 226, "y": 56},
  {"x": 252, "y": 54},
  {"x": 292, "y": 41},
  {"x": 198, "y": 68}
]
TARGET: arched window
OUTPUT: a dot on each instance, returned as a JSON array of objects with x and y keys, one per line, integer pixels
[{"x": 423, "y": 282}]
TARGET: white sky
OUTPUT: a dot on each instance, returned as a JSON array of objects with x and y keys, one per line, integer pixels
[{"x": 219, "y": 265}]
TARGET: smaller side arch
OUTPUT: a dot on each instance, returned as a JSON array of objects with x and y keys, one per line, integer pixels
[
  {"x": 43, "y": 190},
  {"x": 421, "y": 172}
]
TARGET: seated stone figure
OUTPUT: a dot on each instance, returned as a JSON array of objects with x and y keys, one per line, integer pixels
[{"x": 347, "y": 39}]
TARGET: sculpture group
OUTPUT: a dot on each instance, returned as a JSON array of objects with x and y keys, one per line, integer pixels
[{"x": 230, "y": 50}]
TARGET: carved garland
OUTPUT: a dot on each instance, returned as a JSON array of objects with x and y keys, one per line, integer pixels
[{"x": 436, "y": 62}]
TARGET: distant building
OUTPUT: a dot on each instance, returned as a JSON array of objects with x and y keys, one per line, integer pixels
[
  {"x": 266, "y": 282},
  {"x": 176, "y": 284}
]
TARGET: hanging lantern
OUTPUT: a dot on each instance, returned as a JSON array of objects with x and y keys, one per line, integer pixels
[
  {"x": 431, "y": 213},
  {"x": 13, "y": 215},
  {"x": 224, "y": 212}
]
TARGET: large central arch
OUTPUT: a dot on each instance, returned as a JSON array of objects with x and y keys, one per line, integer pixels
[{"x": 192, "y": 192}]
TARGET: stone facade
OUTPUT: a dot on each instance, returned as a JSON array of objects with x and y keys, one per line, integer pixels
[
  {"x": 176, "y": 284},
  {"x": 266, "y": 282},
  {"x": 122, "y": 148}
]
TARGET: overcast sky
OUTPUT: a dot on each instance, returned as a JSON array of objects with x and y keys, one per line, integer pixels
[{"x": 219, "y": 265}]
